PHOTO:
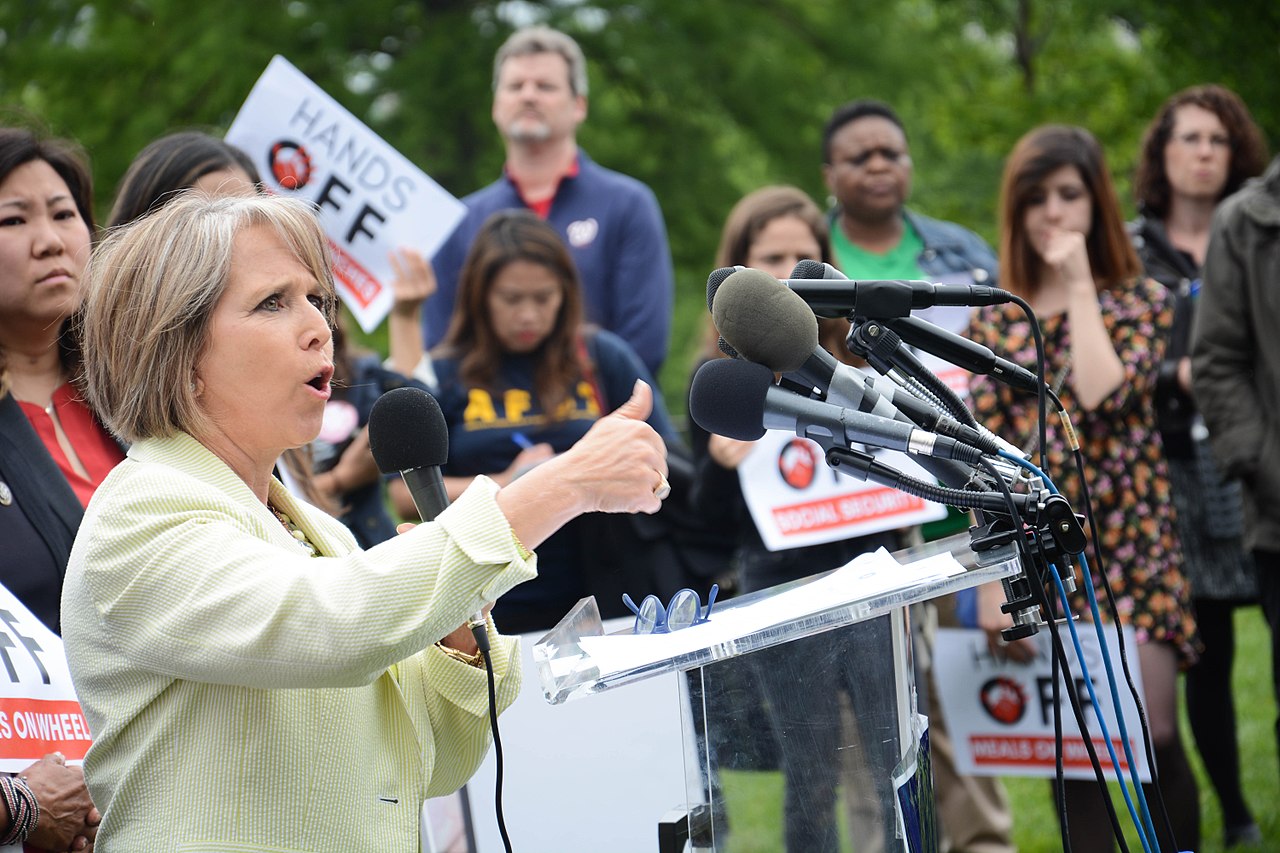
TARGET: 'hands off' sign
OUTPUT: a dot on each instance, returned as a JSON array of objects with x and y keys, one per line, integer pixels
[{"x": 371, "y": 199}]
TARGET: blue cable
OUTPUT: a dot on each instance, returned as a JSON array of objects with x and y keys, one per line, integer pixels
[{"x": 1144, "y": 826}]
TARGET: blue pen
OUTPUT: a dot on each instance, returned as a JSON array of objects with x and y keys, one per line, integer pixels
[{"x": 522, "y": 440}]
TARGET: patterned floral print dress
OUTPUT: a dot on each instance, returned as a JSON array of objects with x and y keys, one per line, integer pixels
[{"x": 1124, "y": 463}]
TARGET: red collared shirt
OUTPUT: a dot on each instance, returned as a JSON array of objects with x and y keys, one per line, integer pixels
[{"x": 97, "y": 451}]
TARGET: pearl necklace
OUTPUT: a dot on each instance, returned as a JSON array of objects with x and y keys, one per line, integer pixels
[{"x": 294, "y": 531}]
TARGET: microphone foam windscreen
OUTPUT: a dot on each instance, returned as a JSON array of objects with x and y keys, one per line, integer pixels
[
  {"x": 716, "y": 279},
  {"x": 727, "y": 398},
  {"x": 407, "y": 431},
  {"x": 764, "y": 321},
  {"x": 809, "y": 269}
]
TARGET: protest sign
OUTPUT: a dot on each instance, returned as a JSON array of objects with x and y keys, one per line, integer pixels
[
  {"x": 795, "y": 499},
  {"x": 39, "y": 712},
  {"x": 371, "y": 200},
  {"x": 1000, "y": 713}
]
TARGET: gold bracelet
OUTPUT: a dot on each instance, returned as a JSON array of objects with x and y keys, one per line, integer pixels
[
  {"x": 476, "y": 659},
  {"x": 525, "y": 553}
]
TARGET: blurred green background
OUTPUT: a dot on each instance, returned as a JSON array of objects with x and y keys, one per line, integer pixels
[{"x": 704, "y": 101}]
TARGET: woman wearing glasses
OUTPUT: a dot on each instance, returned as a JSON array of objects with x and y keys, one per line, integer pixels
[{"x": 1200, "y": 148}]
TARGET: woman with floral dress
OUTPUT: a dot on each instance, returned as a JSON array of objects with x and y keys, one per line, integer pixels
[{"x": 1063, "y": 248}]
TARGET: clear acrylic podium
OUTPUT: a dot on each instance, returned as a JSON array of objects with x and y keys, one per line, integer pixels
[{"x": 798, "y": 702}]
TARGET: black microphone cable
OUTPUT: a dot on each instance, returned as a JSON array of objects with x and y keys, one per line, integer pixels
[
  {"x": 1060, "y": 663},
  {"x": 407, "y": 434},
  {"x": 1044, "y": 395},
  {"x": 1145, "y": 829},
  {"x": 482, "y": 640},
  {"x": 1120, "y": 643}
]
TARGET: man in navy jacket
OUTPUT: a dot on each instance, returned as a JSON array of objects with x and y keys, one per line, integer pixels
[{"x": 611, "y": 223}]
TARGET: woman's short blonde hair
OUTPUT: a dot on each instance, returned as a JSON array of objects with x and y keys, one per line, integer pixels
[{"x": 150, "y": 291}]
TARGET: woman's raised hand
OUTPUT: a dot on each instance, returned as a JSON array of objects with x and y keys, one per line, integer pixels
[
  {"x": 1067, "y": 255},
  {"x": 414, "y": 281},
  {"x": 620, "y": 465}
]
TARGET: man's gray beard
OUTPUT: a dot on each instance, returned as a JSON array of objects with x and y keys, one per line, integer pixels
[{"x": 520, "y": 132}]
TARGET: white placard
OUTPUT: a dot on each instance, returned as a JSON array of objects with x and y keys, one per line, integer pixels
[
  {"x": 39, "y": 712},
  {"x": 1000, "y": 714},
  {"x": 371, "y": 199},
  {"x": 795, "y": 499}
]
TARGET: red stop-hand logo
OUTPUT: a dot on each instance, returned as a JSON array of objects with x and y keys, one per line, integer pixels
[
  {"x": 1004, "y": 699},
  {"x": 798, "y": 464},
  {"x": 290, "y": 164}
]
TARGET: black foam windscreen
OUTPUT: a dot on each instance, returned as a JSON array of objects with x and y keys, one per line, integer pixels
[
  {"x": 407, "y": 431},
  {"x": 727, "y": 398},
  {"x": 809, "y": 269},
  {"x": 716, "y": 279},
  {"x": 764, "y": 321}
]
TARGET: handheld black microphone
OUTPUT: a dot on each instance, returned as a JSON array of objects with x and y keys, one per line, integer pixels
[
  {"x": 771, "y": 325},
  {"x": 407, "y": 434},
  {"x": 738, "y": 399},
  {"x": 962, "y": 352},
  {"x": 834, "y": 295}
]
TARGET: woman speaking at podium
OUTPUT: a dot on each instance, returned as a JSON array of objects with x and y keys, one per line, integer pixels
[{"x": 255, "y": 681}]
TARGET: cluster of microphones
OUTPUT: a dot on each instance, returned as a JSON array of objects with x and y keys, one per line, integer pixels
[
  {"x": 770, "y": 328},
  {"x": 779, "y": 377}
]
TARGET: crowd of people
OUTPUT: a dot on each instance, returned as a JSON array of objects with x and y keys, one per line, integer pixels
[{"x": 188, "y": 497}]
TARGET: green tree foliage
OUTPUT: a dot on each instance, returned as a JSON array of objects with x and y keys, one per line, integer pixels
[{"x": 703, "y": 101}]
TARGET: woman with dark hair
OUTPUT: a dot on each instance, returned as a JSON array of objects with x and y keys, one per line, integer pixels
[
  {"x": 1200, "y": 148},
  {"x": 188, "y": 159},
  {"x": 53, "y": 450},
  {"x": 521, "y": 380},
  {"x": 772, "y": 229},
  {"x": 1063, "y": 248}
]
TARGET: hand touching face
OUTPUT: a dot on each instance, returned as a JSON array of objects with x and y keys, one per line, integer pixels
[{"x": 1058, "y": 218}]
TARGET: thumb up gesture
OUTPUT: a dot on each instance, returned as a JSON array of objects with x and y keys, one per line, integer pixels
[{"x": 621, "y": 463}]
